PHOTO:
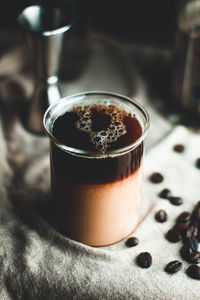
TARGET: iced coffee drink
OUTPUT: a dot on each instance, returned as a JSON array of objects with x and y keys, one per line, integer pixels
[{"x": 96, "y": 154}]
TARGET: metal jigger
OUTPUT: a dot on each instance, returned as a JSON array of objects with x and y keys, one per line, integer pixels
[{"x": 45, "y": 29}]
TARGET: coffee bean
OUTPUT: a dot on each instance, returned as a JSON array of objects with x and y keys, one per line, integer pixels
[
  {"x": 173, "y": 267},
  {"x": 179, "y": 148},
  {"x": 165, "y": 194},
  {"x": 184, "y": 217},
  {"x": 161, "y": 216},
  {"x": 173, "y": 235},
  {"x": 198, "y": 163},
  {"x": 191, "y": 232},
  {"x": 198, "y": 204},
  {"x": 185, "y": 252},
  {"x": 181, "y": 227},
  {"x": 156, "y": 178},
  {"x": 132, "y": 241},
  {"x": 192, "y": 243},
  {"x": 144, "y": 260},
  {"x": 175, "y": 200},
  {"x": 198, "y": 236},
  {"x": 196, "y": 211},
  {"x": 193, "y": 271},
  {"x": 194, "y": 257},
  {"x": 196, "y": 214},
  {"x": 194, "y": 223}
]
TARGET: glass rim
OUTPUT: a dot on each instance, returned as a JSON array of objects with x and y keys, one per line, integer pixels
[{"x": 98, "y": 154}]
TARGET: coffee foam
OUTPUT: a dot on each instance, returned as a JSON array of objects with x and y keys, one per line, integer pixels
[{"x": 102, "y": 139}]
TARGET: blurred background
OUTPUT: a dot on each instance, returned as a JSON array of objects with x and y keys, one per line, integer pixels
[
  {"x": 128, "y": 50},
  {"x": 142, "y": 21}
]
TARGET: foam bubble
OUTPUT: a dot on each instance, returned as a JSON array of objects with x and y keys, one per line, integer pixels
[{"x": 102, "y": 139}]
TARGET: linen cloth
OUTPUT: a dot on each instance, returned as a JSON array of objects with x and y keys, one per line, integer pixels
[{"x": 38, "y": 263}]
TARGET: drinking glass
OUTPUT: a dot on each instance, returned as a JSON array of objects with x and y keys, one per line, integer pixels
[{"x": 96, "y": 196}]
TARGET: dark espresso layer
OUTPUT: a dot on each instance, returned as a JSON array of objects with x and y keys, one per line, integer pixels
[
  {"x": 96, "y": 128},
  {"x": 95, "y": 170}
]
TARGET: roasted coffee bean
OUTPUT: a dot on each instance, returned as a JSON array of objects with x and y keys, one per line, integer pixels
[
  {"x": 191, "y": 232},
  {"x": 185, "y": 252},
  {"x": 181, "y": 227},
  {"x": 144, "y": 260},
  {"x": 179, "y": 148},
  {"x": 194, "y": 223},
  {"x": 192, "y": 243},
  {"x": 173, "y": 235},
  {"x": 161, "y": 216},
  {"x": 198, "y": 163},
  {"x": 185, "y": 236},
  {"x": 165, "y": 194},
  {"x": 193, "y": 271},
  {"x": 156, "y": 178},
  {"x": 132, "y": 241},
  {"x": 194, "y": 257},
  {"x": 173, "y": 267},
  {"x": 198, "y": 236},
  {"x": 198, "y": 204},
  {"x": 175, "y": 200},
  {"x": 196, "y": 214},
  {"x": 184, "y": 217}
]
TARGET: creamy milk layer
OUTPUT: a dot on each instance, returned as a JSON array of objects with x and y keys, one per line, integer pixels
[{"x": 99, "y": 214}]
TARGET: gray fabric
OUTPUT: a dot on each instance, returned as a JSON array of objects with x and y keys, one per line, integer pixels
[{"x": 39, "y": 263}]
